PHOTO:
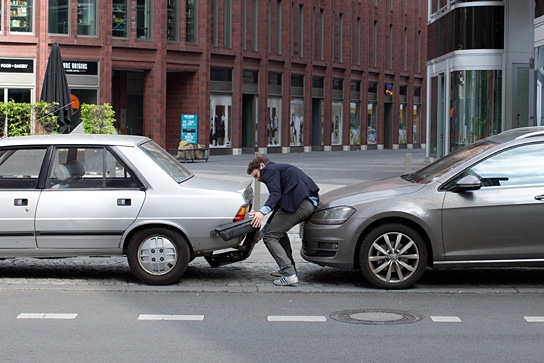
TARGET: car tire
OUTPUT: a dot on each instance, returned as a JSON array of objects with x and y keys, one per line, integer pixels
[
  {"x": 393, "y": 256},
  {"x": 158, "y": 256}
]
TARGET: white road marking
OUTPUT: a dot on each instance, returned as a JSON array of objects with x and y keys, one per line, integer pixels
[
  {"x": 445, "y": 319},
  {"x": 171, "y": 317},
  {"x": 46, "y": 316},
  {"x": 297, "y": 318},
  {"x": 534, "y": 319}
]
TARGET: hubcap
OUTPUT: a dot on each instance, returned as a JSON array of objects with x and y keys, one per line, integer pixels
[
  {"x": 157, "y": 255},
  {"x": 393, "y": 257}
]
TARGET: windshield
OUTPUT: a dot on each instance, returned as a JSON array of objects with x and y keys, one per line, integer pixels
[
  {"x": 166, "y": 161},
  {"x": 449, "y": 162}
]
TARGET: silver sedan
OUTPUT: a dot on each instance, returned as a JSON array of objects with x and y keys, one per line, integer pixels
[
  {"x": 104, "y": 195},
  {"x": 478, "y": 206}
]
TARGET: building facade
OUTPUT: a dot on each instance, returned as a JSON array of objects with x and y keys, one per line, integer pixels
[
  {"x": 481, "y": 70},
  {"x": 237, "y": 76}
]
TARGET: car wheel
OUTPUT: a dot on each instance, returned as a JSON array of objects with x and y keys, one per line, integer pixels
[
  {"x": 158, "y": 256},
  {"x": 393, "y": 256}
]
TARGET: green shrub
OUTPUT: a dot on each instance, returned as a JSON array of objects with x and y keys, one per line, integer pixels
[{"x": 97, "y": 119}]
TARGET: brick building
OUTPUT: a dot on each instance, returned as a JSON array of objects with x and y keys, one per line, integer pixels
[{"x": 255, "y": 75}]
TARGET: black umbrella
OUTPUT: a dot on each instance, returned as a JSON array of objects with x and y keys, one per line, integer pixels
[{"x": 55, "y": 88}]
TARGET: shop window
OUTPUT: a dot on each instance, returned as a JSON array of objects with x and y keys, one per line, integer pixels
[
  {"x": 296, "y": 134},
  {"x": 273, "y": 127},
  {"x": 119, "y": 19},
  {"x": 20, "y": 19},
  {"x": 144, "y": 19},
  {"x": 58, "y": 17},
  {"x": 18, "y": 95},
  {"x": 336, "y": 126},
  {"x": 86, "y": 17},
  {"x": 372, "y": 124},
  {"x": 354, "y": 129}
]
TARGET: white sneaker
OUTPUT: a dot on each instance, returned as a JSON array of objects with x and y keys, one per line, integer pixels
[{"x": 286, "y": 280}]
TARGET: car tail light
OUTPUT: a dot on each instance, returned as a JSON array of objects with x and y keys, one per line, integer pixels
[{"x": 241, "y": 214}]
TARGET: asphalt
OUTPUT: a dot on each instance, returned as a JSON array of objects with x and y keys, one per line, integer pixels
[{"x": 330, "y": 170}]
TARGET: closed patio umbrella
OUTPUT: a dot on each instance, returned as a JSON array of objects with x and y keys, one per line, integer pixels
[{"x": 55, "y": 88}]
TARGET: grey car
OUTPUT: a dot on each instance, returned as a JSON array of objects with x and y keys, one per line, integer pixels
[
  {"x": 478, "y": 206},
  {"x": 106, "y": 195}
]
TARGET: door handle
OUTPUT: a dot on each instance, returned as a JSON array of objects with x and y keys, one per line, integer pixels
[
  {"x": 539, "y": 197},
  {"x": 124, "y": 202},
  {"x": 19, "y": 202}
]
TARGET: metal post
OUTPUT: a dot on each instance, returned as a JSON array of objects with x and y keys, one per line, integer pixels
[
  {"x": 257, "y": 192},
  {"x": 407, "y": 163}
]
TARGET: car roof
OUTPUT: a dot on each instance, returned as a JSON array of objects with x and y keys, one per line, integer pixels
[
  {"x": 74, "y": 139},
  {"x": 518, "y": 133}
]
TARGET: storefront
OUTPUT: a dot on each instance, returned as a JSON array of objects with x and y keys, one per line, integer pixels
[{"x": 84, "y": 83}]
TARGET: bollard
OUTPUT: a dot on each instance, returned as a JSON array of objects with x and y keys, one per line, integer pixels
[{"x": 407, "y": 163}]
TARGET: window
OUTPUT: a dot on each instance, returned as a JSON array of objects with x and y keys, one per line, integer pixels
[
  {"x": 144, "y": 19},
  {"x": 191, "y": 18},
  {"x": 59, "y": 17},
  {"x": 391, "y": 46},
  {"x": 119, "y": 19},
  {"x": 517, "y": 166},
  {"x": 86, "y": 17},
  {"x": 278, "y": 27},
  {"x": 340, "y": 36},
  {"x": 214, "y": 27},
  {"x": 358, "y": 42},
  {"x": 251, "y": 21},
  {"x": 405, "y": 49},
  {"x": 227, "y": 31},
  {"x": 301, "y": 31},
  {"x": 374, "y": 61},
  {"x": 172, "y": 20},
  {"x": 20, "y": 18},
  {"x": 19, "y": 169},
  {"x": 321, "y": 33},
  {"x": 88, "y": 168}
]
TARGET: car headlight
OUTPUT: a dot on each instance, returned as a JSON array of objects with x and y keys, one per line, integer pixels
[{"x": 335, "y": 215}]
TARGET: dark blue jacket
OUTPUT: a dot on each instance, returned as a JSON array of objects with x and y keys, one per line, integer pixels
[{"x": 288, "y": 186}]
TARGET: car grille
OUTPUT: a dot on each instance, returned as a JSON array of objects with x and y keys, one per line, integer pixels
[{"x": 321, "y": 250}]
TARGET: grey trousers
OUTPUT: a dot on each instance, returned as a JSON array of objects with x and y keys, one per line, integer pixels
[{"x": 276, "y": 240}]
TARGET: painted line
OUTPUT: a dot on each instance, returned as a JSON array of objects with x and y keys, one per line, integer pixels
[
  {"x": 445, "y": 319},
  {"x": 171, "y": 317},
  {"x": 46, "y": 316},
  {"x": 534, "y": 319},
  {"x": 297, "y": 318}
]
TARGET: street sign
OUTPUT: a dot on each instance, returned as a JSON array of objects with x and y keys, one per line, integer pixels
[{"x": 189, "y": 128}]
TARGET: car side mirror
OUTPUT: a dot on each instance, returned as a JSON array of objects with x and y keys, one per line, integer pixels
[{"x": 466, "y": 183}]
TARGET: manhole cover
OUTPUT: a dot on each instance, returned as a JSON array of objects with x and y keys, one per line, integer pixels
[{"x": 376, "y": 317}]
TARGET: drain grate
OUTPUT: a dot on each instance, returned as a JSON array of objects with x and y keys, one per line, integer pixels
[{"x": 376, "y": 317}]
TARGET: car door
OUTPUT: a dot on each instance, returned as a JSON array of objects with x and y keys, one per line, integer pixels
[
  {"x": 501, "y": 220},
  {"x": 90, "y": 200},
  {"x": 19, "y": 173}
]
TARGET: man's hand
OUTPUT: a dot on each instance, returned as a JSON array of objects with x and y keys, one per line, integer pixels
[{"x": 257, "y": 219}]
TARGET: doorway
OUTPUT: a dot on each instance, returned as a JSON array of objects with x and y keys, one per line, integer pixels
[
  {"x": 317, "y": 124},
  {"x": 249, "y": 123}
]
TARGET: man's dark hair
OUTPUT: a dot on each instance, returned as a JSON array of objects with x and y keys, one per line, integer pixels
[{"x": 256, "y": 163}]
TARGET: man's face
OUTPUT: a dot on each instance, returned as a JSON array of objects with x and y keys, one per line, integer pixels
[{"x": 256, "y": 173}]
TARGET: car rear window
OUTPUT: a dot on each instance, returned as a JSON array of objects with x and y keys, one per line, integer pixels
[{"x": 166, "y": 161}]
